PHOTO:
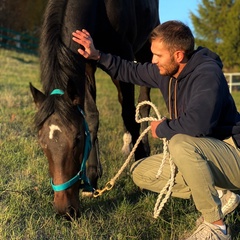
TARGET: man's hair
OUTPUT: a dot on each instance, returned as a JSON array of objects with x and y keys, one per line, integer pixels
[{"x": 176, "y": 36}]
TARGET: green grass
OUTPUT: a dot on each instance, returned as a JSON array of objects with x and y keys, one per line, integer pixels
[{"x": 26, "y": 195}]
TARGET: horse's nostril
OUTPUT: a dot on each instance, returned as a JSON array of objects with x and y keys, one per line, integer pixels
[{"x": 71, "y": 213}]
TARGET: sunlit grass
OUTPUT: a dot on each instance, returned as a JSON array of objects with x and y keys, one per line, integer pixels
[{"x": 26, "y": 196}]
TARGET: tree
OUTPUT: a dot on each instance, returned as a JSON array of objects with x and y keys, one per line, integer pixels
[
  {"x": 20, "y": 24},
  {"x": 217, "y": 26},
  {"x": 22, "y": 15}
]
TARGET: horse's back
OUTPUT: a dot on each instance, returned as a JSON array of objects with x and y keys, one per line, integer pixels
[
  {"x": 125, "y": 24},
  {"x": 120, "y": 21}
]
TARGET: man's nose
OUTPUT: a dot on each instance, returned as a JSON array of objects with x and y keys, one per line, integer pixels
[{"x": 154, "y": 59}]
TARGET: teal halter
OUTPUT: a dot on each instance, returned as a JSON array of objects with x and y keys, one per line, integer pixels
[
  {"x": 57, "y": 92},
  {"x": 81, "y": 175}
]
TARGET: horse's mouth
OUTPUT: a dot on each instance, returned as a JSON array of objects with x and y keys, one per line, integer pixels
[{"x": 70, "y": 213}]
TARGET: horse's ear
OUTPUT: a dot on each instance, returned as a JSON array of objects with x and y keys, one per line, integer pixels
[
  {"x": 38, "y": 96},
  {"x": 73, "y": 93}
]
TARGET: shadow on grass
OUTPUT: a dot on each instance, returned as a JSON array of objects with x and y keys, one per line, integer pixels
[{"x": 22, "y": 60}]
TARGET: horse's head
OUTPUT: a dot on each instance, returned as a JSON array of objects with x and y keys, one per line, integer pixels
[{"x": 64, "y": 137}]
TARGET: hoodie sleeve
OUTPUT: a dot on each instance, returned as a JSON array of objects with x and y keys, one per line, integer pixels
[{"x": 146, "y": 74}]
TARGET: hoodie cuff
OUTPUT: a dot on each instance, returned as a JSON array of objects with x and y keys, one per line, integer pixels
[{"x": 161, "y": 127}]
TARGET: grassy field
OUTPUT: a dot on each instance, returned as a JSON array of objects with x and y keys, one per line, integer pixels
[{"x": 26, "y": 195}]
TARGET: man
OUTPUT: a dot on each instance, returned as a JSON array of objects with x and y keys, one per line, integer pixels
[{"x": 202, "y": 115}]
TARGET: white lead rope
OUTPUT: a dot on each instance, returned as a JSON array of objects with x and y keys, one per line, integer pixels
[{"x": 169, "y": 185}]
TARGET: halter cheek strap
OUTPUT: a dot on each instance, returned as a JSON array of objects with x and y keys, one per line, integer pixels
[{"x": 81, "y": 175}]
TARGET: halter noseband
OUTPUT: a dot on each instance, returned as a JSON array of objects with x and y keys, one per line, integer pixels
[{"x": 81, "y": 175}]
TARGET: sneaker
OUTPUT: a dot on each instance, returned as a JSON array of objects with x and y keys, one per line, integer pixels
[
  {"x": 229, "y": 201},
  {"x": 208, "y": 231}
]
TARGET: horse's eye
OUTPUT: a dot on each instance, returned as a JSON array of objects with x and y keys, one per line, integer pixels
[
  {"x": 77, "y": 140},
  {"x": 78, "y": 137}
]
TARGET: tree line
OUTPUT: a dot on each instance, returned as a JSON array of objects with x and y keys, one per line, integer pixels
[
  {"x": 22, "y": 15},
  {"x": 216, "y": 24}
]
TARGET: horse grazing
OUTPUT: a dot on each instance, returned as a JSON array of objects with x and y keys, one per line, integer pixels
[{"x": 67, "y": 118}]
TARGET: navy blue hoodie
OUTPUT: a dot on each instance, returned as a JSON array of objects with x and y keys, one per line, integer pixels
[{"x": 200, "y": 103}]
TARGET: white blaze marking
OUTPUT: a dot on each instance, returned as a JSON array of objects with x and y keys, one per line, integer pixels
[{"x": 52, "y": 129}]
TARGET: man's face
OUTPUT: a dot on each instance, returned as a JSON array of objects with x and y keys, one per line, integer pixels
[{"x": 164, "y": 60}]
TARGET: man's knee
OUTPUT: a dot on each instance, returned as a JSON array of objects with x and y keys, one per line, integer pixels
[
  {"x": 179, "y": 145},
  {"x": 177, "y": 142}
]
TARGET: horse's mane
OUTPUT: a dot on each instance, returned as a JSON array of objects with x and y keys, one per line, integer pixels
[{"x": 58, "y": 65}]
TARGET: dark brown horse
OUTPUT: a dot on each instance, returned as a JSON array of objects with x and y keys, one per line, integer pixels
[{"x": 67, "y": 110}]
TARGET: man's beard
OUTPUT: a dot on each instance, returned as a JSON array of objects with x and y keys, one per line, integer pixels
[{"x": 172, "y": 68}]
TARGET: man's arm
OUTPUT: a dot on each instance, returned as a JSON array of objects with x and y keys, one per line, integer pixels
[{"x": 127, "y": 71}]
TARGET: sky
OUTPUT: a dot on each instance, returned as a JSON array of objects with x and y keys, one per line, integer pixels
[{"x": 178, "y": 10}]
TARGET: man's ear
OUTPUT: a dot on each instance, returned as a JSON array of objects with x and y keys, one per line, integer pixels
[
  {"x": 73, "y": 93},
  {"x": 38, "y": 96},
  {"x": 180, "y": 56}
]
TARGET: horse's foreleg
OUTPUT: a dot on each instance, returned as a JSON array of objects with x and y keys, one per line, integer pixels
[
  {"x": 127, "y": 137},
  {"x": 142, "y": 56},
  {"x": 94, "y": 169},
  {"x": 131, "y": 127}
]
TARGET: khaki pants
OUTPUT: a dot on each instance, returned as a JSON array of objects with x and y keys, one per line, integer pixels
[{"x": 203, "y": 166}]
